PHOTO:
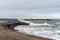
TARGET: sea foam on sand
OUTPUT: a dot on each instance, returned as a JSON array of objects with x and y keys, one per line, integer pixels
[{"x": 47, "y": 32}]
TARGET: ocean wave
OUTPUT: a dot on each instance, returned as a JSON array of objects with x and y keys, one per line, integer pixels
[{"x": 38, "y": 24}]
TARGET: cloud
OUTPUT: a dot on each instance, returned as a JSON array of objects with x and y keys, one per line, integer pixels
[{"x": 27, "y": 8}]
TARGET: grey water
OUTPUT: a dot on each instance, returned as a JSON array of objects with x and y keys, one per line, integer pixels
[
  {"x": 46, "y": 31},
  {"x": 44, "y": 20}
]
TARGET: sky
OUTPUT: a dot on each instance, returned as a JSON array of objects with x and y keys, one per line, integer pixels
[{"x": 29, "y": 8}]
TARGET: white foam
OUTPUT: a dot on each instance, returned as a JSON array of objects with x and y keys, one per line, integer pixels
[
  {"x": 46, "y": 32},
  {"x": 44, "y": 24}
]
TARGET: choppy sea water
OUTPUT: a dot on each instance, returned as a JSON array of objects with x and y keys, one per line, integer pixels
[{"x": 45, "y": 29}]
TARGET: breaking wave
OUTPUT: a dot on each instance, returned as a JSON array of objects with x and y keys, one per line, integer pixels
[
  {"x": 47, "y": 32},
  {"x": 37, "y": 24}
]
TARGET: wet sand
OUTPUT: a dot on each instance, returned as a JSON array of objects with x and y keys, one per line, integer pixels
[{"x": 7, "y": 34}]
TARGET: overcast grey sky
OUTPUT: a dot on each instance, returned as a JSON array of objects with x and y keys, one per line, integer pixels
[{"x": 28, "y": 8}]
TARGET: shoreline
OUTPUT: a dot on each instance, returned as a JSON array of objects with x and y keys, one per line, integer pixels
[{"x": 8, "y": 34}]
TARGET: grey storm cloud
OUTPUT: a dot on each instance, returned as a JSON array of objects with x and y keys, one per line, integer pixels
[{"x": 22, "y": 8}]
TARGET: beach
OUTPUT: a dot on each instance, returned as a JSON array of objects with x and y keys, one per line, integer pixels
[{"x": 7, "y": 34}]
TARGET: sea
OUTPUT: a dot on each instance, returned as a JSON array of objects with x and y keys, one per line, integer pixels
[{"x": 47, "y": 28}]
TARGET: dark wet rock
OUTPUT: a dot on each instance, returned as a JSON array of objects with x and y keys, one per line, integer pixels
[{"x": 23, "y": 23}]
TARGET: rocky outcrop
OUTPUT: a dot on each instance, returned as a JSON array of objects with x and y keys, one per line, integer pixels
[{"x": 11, "y": 26}]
